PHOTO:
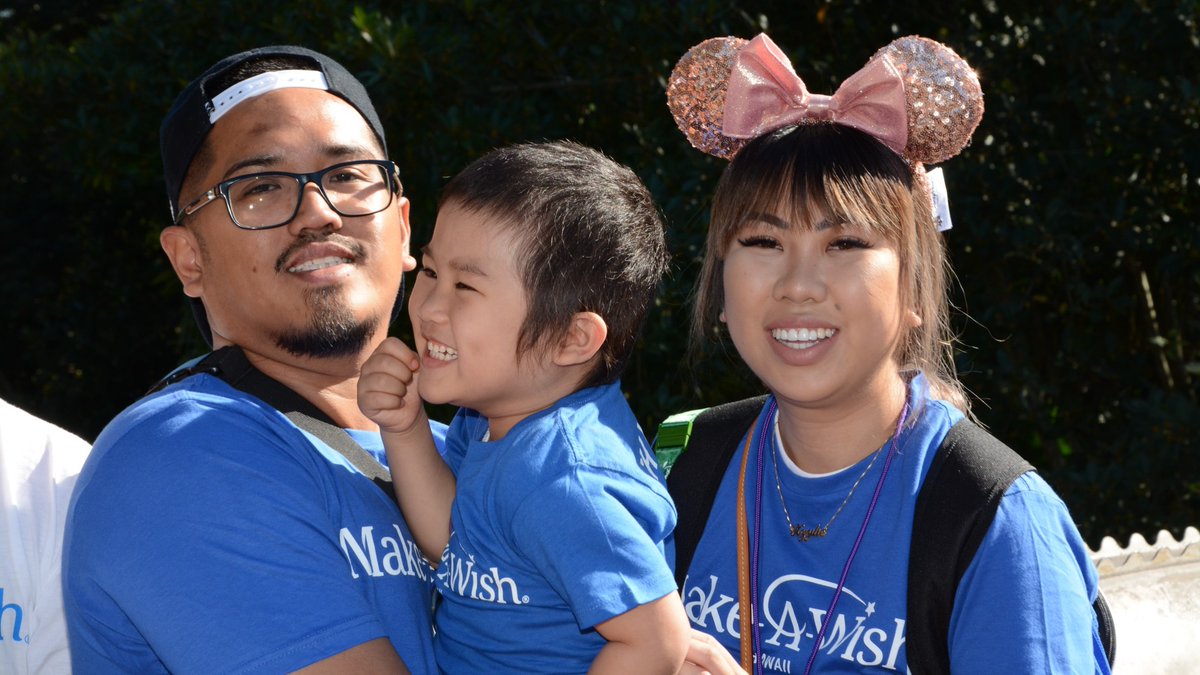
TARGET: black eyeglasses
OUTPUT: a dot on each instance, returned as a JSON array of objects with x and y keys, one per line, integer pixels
[{"x": 261, "y": 201}]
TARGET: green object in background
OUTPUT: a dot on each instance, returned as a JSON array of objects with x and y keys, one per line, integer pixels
[{"x": 673, "y": 435}]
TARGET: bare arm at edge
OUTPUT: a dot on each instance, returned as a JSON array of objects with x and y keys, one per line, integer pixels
[{"x": 376, "y": 657}]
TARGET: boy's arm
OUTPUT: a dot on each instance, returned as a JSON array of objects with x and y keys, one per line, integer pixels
[
  {"x": 424, "y": 485},
  {"x": 650, "y": 638}
]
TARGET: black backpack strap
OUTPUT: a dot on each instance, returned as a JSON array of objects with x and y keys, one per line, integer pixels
[
  {"x": 955, "y": 507},
  {"x": 231, "y": 365},
  {"x": 693, "y": 477},
  {"x": 1107, "y": 626}
]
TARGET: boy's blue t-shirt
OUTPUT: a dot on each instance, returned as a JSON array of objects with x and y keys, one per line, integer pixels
[
  {"x": 557, "y": 527},
  {"x": 208, "y": 534},
  {"x": 1023, "y": 606}
]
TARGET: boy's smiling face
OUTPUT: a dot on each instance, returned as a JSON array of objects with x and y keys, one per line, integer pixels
[{"x": 467, "y": 308}]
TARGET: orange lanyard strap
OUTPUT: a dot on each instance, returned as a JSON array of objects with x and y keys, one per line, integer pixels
[{"x": 745, "y": 601}]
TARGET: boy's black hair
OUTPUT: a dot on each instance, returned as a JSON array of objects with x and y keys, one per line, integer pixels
[{"x": 589, "y": 239}]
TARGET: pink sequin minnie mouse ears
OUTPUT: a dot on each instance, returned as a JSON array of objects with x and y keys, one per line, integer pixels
[{"x": 915, "y": 95}]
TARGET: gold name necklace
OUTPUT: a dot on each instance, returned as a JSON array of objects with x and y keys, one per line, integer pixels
[{"x": 802, "y": 531}]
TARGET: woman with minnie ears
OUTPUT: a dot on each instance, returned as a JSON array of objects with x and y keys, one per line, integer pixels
[{"x": 825, "y": 264}]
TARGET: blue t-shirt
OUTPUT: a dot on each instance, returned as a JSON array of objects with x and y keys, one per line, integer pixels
[
  {"x": 1023, "y": 606},
  {"x": 557, "y": 527},
  {"x": 208, "y": 534}
]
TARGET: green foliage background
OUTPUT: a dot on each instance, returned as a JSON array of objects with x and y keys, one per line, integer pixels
[{"x": 1075, "y": 243}]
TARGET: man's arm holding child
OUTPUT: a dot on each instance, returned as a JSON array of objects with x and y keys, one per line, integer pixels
[{"x": 424, "y": 485}]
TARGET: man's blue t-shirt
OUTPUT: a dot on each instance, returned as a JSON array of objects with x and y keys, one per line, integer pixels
[
  {"x": 208, "y": 534},
  {"x": 559, "y": 526},
  {"x": 1023, "y": 606}
]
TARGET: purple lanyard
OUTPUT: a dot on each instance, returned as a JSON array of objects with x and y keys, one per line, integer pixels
[{"x": 755, "y": 629}]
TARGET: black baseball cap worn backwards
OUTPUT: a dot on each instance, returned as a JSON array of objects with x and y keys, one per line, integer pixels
[{"x": 198, "y": 108}]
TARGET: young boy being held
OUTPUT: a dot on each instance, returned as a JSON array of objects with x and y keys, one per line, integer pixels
[{"x": 547, "y": 512}]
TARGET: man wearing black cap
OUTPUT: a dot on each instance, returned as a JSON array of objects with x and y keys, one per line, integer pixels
[{"x": 231, "y": 521}]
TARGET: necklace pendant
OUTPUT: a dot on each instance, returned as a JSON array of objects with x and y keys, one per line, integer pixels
[{"x": 805, "y": 533}]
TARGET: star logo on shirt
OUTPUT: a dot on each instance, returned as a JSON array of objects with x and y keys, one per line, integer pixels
[{"x": 870, "y": 608}]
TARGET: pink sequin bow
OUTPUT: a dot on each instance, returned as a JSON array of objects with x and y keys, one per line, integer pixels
[{"x": 765, "y": 94}]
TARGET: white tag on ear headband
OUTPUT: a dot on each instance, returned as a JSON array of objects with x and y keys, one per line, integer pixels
[
  {"x": 941, "y": 200},
  {"x": 261, "y": 84}
]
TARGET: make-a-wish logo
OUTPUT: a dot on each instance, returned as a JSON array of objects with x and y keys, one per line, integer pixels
[
  {"x": 12, "y": 616},
  {"x": 857, "y": 634},
  {"x": 400, "y": 555},
  {"x": 646, "y": 460},
  {"x": 458, "y": 574}
]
